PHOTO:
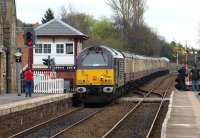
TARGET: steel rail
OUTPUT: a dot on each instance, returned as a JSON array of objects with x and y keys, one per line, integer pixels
[
  {"x": 157, "y": 113},
  {"x": 108, "y": 133},
  {"x": 126, "y": 115},
  {"x": 153, "y": 92},
  {"x": 138, "y": 92},
  {"x": 77, "y": 123},
  {"x": 32, "y": 129}
]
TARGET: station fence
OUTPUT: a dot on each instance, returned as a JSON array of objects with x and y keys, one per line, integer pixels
[{"x": 47, "y": 82}]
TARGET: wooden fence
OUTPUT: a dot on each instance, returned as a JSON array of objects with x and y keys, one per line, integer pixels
[{"x": 46, "y": 82}]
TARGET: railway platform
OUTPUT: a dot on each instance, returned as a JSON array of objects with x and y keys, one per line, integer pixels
[
  {"x": 21, "y": 112},
  {"x": 10, "y": 103},
  {"x": 183, "y": 117}
]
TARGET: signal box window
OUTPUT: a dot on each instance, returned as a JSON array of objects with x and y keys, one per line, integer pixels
[
  {"x": 59, "y": 48},
  {"x": 47, "y": 48},
  {"x": 69, "y": 48},
  {"x": 38, "y": 48}
]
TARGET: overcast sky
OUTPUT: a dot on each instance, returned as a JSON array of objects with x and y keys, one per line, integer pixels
[{"x": 173, "y": 19}]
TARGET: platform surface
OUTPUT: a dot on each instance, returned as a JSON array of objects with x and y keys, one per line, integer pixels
[
  {"x": 10, "y": 103},
  {"x": 183, "y": 116}
]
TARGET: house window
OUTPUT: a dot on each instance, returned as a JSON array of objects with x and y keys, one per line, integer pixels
[
  {"x": 47, "y": 48},
  {"x": 59, "y": 48},
  {"x": 38, "y": 48},
  {"x": 69, "y": 48}
]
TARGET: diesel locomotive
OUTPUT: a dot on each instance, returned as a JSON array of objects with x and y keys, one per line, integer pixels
[{"x": 104, "y": 73}]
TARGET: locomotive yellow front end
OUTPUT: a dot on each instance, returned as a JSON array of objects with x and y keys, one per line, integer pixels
[
  {"x": 95, "y": 75},
  {"x": 98, "y": 78}
]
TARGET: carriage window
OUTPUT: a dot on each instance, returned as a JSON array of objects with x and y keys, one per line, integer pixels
[{"x": 95, "y": 60}]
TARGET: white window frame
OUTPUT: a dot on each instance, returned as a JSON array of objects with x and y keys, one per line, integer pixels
[
  {"x": 72, "y": 48},
  {"x": 47, "y": 48},
  {"x": 60, "y": 48},
  {"x": 39, "y": 44},
  {"x": 43, "y": 49}
]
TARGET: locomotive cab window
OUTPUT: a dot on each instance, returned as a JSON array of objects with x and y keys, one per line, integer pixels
[{"x": 95, "y": 59}]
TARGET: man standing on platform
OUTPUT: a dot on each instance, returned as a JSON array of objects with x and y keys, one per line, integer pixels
[
  {"x": 28, "y": 77},
  {"x": 181, "y": 77},
  {"x": 195, "y": 76}
]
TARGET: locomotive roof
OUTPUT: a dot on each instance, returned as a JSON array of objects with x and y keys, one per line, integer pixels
[{"x": 115, "y": 53}]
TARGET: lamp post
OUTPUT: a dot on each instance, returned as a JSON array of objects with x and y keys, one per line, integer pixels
[
  {"x": 177, "y": 60},
  {"x": 195, "y": 57},
  {"x": 18, "y": 55}
]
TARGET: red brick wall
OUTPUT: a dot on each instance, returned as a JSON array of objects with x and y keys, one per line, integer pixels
[{"x": 25, "y": 52}]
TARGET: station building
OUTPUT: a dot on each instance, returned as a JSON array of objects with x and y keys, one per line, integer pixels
[
  {"x": 7, "y": 46},
  {"x": 61, "y": 42}
]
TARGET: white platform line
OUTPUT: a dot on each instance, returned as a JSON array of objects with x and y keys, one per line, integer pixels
[{"x": 164, "y": 125}]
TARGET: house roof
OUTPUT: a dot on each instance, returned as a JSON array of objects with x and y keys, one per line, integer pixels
[{"x": 56, "y": 27}]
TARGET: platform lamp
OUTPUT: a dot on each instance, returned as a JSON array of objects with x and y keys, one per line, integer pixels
[{"x": 18, "y": 55}]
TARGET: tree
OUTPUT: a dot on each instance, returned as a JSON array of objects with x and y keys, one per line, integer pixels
[
  {"x": 128, "y": 13},
  {"x": 128, "y": 17},
  {"x": 49, "y": 15},
  {"x": 102, "y": 29},
  {"x": 80, "y": 21}
]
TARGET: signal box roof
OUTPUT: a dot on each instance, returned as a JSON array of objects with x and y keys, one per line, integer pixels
[{"x": 56, "y": 27}]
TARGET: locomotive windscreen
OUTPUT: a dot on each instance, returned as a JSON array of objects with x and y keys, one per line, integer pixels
[{"x": 95, "y": 59}]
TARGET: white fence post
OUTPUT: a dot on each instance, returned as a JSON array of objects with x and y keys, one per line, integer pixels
[{"x": 46, "y": 82}]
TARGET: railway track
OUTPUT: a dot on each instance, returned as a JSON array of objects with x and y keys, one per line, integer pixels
[
  {"x": 126, "y": 128},
  {"x": 58, "y": 125},
  {"x": 143, "y": 117},
  {"x": 92, "y": 124}
]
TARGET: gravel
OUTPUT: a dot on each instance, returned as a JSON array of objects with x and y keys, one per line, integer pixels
[
  {"x": 156, "y": 132},
  {"x": 138, "y": 123},
  {"x": 98, "y": 125},
  {"x": 56, "y": 126}
]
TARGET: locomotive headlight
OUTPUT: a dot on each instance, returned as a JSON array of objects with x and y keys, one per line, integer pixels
[
  {"x": 81, "y": 89},
  {"x": 108, "y": 89}
]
